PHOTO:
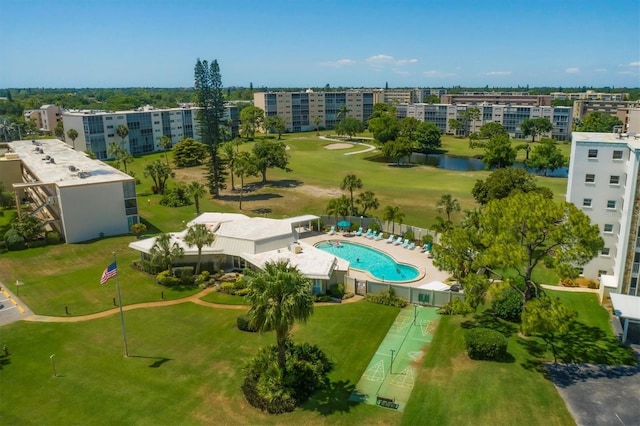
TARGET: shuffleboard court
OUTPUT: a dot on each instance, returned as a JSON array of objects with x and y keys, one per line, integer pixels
[{"x": 389, "y": 378}]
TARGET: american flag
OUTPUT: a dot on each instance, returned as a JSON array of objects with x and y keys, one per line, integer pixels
[{"x": 109, "y": 272}]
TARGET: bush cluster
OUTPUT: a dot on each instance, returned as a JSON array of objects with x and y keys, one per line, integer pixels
[
  {"x": 268, "y": 388},
  {"x": 455, "y": 307},
  {"x": 14, "y": 240},
  {"x": 336, "y": 291},
  {"x": 236, "y": 288},
  {"x": 53, "y": 238},
  {"x": 508, "y": 305},
  {"x": 485, "y": 344},
  {"x": 244, "y": 324},
  {"x": 388, "y": 298}
]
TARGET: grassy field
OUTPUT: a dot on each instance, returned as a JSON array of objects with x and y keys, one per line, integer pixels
[
  {"x": 185, "y": 368},
  {"x": 455, "y": 390}
]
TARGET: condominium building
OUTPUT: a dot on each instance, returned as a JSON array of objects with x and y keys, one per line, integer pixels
[
  {"x": 591, "y": 95},
  {"x": 97, "y": 129},
  {"x": 46, "y": 117},
  {"x": 81, "y": 198},
  {"x": 614, "y": 108},
  {"x": 300, "y": 109},
  {"x": 496, "y": 98},
  {"x": 603, "y": 182},
  {"x": 511, "y": 117}
]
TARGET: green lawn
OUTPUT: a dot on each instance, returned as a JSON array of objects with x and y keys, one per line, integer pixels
[
  {"x": 185, "y": 368},
  {"x": 224, "y": 299},
  {"x": 454, "y": 390}
]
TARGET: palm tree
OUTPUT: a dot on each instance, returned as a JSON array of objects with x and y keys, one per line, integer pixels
[
  {"x": 245, "y": 165},
  {"x": 123, "y": 132},
  {"x": 391, "y": 215},
  {"x": 165, "y": 143},
  {"x": 73, "y": 135},
  {"x": 120, "y": 155},
  {"x": 163, "y": 252},
  {"x": 199, "y": 235},
  {"x": 229, "y": 153},
  {"x": 279, "y": 295},
  {"x": 317, "y": 122},
  {"x": 197, "y": 191},
  {"x": 343, "y": 112},
  {"x": 338, "y": 207},
  {"x": 448, "y": 205},
  {"x": 367, "y": 200},
  {"x": 351, "y": 182}
]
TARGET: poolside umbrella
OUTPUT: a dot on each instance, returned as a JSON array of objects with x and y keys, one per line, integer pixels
[{"x": 344, "y": 224}]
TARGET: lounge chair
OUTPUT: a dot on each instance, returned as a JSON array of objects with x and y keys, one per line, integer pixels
[
  {"x": 332, "y": 230},
  {"x": 379, "y": 236},
  {"x": 423, "y": 248},
  {"x": 411, "y": 246},
  {"x": 373, "y": 235},
  {"x": 390, "y": 239},
  {"x": 398, "y": 241},
  {"x": 406, "y": 243},
  {"x": 359, "y": 231}
]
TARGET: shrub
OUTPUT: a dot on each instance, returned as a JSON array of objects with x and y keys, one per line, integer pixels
[
  {"x": 244, "y": 324},
  {"x": 375, "y": 226},
  {"x": 166, "y": 279},
  {"x": 274, "y": 391},
  {"x": 53, "y": 238},
  {"x": 593, "y": 284},
  {"x": 485, "y": 344},
  {"x": 226, "y": 288},
  {"x": 176, "y": 197},
  {"x": 427, "y": 238},
  {"x": 14, "y": 240},
  {"x": 569, "y": 282},
  {"x": 507, "y": 305},
  {"x": 388, "y": 298},
  {"x": 180, "y": 271},
  {"x": 409, "y": 235},
  {"x": 202, "y": 280},
  {"x": 455, "y": 307},
  {"x": 37, "y": 243},
  {"x": 336, "y": 291},
  {"x": 323, "y": 298},
  {"x": 347, "y": 295}
]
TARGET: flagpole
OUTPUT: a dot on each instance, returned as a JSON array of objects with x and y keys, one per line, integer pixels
[{"x": 124, "y": 333}]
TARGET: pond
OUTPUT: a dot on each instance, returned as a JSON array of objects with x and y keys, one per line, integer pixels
[{"x": 469, "y": 164}]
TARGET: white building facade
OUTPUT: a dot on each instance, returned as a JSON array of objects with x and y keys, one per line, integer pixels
[
  {"x": 603, "y": 182},
  {"x": 81, "y": 198}
]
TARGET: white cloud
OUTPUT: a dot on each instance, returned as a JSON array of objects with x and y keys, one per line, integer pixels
[
  {"x": 493, "y": 73},
  {"x": 400, "y": 72},
  {"x": 573, "y": 70},
  {"x": 380, "y": 60},
  {"x": 438, "y": 74},
  {"x": 339, "y": 63},
  {"x": 601, "y": 70},
  {"x": 634, "y": 64}
]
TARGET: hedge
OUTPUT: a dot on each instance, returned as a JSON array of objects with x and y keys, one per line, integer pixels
[{"x": 485, "y": 344}]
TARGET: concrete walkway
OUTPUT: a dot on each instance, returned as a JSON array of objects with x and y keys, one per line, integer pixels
[{"x": 569, "y": 289}]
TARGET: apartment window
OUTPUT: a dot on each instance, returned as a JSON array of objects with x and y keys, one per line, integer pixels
[
  {"x": 587, "y": 202},
  {"x": 601, "y": 272},
  {"x": 590, "y": 178},
  {"x": 108, "y": 118},
  {"x": 617, "y": 155},
  {"x": 611, "y": 204},
  {"x": 608, "y": 228},
  {"x": 614, "y": 180},
  {"x": 593, "y": 153},
  {"x": 605, "y": 251}
]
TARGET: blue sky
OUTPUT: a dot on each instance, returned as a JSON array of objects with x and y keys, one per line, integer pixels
[{"x": 310, "y": 43}]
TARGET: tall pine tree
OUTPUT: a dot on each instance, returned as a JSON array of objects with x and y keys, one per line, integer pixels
[{"x": 210, "y": 99}]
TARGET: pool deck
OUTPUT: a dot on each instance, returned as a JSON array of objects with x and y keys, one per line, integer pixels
[{"x": 400, "y": 254}]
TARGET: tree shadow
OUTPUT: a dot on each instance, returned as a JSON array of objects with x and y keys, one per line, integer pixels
[
  {"x": 4, "y": 360},
  {"x": 249, "y": 197},
  {"x": 262, "y": 210},
  {"x": 284, "y": 183},
  {"x": 564, "y": 375},
  {"x": 151, "y": 228},
  {"x": 334, "y": 398},
  {"x": 487, "y": 320}
]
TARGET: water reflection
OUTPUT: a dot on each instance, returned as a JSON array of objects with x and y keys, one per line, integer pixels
[{"x": 468, "y": 164}]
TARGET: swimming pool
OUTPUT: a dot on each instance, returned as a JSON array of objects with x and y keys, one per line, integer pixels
[{"x": 377, "y": 263}]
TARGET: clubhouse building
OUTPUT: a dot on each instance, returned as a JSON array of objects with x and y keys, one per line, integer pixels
[{"x": 251, "y": 242}]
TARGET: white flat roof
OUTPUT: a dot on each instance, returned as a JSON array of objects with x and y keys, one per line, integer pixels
[
  {"x": 311, "y": 262},
  {"x": 435, "y": 285},
  {"x": 626, "y": 306},
  {"x": 301, "y": 219},
  {"x": 64, "y": 157},
  {"x": 623, "y": 138}
]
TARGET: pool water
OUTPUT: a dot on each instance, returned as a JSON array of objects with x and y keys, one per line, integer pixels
[{"x": 377, "y": 263}]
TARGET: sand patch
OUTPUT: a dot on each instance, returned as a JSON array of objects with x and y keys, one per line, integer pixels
[{"x": 338, "y": 146}]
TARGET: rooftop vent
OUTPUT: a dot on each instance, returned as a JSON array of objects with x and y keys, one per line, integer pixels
[
  {"x": 51, "y": 160},
  {"x": 72, "y": 168},
  {"x": 83, "y": 175}
]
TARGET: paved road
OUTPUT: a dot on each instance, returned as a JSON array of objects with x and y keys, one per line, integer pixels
[{"x": 599, "y": 395}]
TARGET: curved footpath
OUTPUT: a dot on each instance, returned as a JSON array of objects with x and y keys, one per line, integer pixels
[
  {"x": 369, "y": 147},
  {"x": 569, "y": 289},
  {"x": 194, "y": 298}
]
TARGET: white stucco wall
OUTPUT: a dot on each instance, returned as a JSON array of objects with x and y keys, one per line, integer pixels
[{"x": 89, "y": 210}]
